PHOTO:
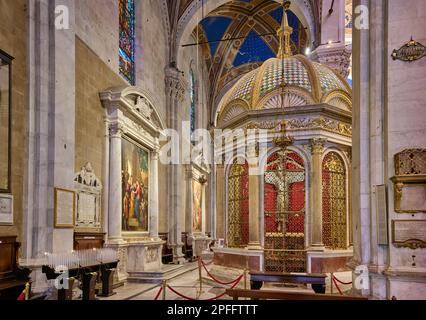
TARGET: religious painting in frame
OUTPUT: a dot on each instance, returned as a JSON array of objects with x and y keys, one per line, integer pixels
[
  {"x": 65, "y": 204},
  {"x": 135, "y": 187},
  {"x": 197, "y": 206}
]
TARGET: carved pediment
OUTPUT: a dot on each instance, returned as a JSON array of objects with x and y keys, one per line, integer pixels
[
  {"x": 135, "y": 103},
  {"x": 87, "y": 177}
]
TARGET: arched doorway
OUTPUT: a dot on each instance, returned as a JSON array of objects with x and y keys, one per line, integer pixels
[
  {"x": 334, "y": 197},
  {"x": 284, "y": 211},
  {"x": 238, "y": 204}
]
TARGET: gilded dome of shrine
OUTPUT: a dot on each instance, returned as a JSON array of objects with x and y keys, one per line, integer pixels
[{"x": 285, "y": 81}]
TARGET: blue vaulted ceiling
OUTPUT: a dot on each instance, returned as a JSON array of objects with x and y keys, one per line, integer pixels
[
  {"x": 252, "y": 27},
  {"x": 215, "y": 28},
  {"x": 253, "y": 48}
]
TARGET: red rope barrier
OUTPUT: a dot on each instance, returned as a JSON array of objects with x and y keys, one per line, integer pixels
[
  {"x": 179, "y": 294},
  {"x": 207, "y": 263},
  {"x": 335, "y": 283},
  {"x": 216, "y": 280},
  {"x": 341, "y": 282},
  {"x": 158, "y": 294},
  {"x": 210, "y": 299},
  {"x": 223, "y": 294}
]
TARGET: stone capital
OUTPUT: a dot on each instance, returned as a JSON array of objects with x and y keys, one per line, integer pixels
[
  {"x": 176, "y": 84},
  {"x": 116, "y": 130},
  {"x": 317, "y": 146},
  {"x": 336, "y": 56}
]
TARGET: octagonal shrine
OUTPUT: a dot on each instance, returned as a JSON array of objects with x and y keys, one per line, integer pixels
[{"x": 295, "y": 216}]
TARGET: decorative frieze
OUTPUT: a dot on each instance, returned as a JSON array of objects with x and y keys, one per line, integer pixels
[{"x": 320, "y": 123}]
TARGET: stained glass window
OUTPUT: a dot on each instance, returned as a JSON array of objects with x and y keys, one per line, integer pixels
[
  {"x": 238, "y": 205},
  {"x": 334, "y": 224},
  {"x": 127, "y": 40},
  {"x": 193, "y": 109},
  {"x": 284, "y": 207}
]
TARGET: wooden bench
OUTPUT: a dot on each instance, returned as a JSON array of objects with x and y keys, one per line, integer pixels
[
  {"x": 316, "y": 280},
  {"x": 13, "y": 278},
  {"x": 280, "y": 295}
]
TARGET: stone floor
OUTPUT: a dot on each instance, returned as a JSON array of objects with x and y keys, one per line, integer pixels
[{"x": 187, "y": 283}]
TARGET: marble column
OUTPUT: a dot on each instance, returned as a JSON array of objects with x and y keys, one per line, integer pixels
[
  {"x": 115, "y": 185},
  {"x": 220, "y": 202},
  {"x": 213, "y": 201},
  {"x": 154, "y": 204},
  {"x": 361, "y": 145},
  {"x": 175, "y": 89},
  {"x": 189, "y": 209},
  {"x": 254, "y": 201},
  {"x": 333, "y": 51},
  {"x": 317, "y": 151}
]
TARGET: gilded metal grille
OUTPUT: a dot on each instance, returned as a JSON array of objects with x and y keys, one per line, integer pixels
[
  {"x": 238, "y": 205},
  {"x": 410, "y": 162},
  {"x": 285, "y": 213},
  {"x": 334, "y": 218}
]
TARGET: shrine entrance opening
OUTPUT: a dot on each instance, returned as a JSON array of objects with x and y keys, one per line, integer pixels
[{"x": 284, "y": 210}]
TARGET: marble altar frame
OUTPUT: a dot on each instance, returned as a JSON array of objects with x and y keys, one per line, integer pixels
[
  {"x": 199, "y": 172},
  {"x": 130, "y": 114}
]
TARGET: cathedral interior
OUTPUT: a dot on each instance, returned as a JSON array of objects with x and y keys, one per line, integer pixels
[{"x": 212, "y": 149}]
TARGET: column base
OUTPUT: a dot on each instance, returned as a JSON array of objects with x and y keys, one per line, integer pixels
[
  {"x": 120, "y": 246},
  {"x": 178, "y": 256},
  {"x": 317, "y": 248},
  {"x": 254, "y": 246}
]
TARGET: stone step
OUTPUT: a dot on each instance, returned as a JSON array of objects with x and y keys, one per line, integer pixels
[{"x": 167, "y": 272}]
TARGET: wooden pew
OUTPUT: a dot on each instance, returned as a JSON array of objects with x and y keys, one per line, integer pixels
[
  {"x": 316, "y": 280},
  {"x": 281, "y": 295},
  {"x": 12, "y": 277}
]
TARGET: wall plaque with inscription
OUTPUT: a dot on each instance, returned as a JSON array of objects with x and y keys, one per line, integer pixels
[
  {"x": 64, "y": 208},
  {"x": 409, "y": 233},
  {"x": 89, "y": 188},
  {"x": 6, "y": 209},
  {"x": 382, "y": 216}
]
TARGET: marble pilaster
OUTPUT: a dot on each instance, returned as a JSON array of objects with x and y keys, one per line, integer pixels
[
  {"x": 175, "y": 89},
  {"x": 254, "y": 201},
  {"x": 51, "y": 126},
  {"x": 154, "y": 204}
]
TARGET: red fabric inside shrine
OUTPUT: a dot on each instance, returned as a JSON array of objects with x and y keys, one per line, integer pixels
[{"x": 296, "y": 198}]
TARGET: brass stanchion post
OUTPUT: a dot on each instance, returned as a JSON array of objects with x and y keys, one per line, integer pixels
[
  {"x": 245, "y": 279},
  {"x": 200, "y": 275},
  {"x": 164, "y": 289}
]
